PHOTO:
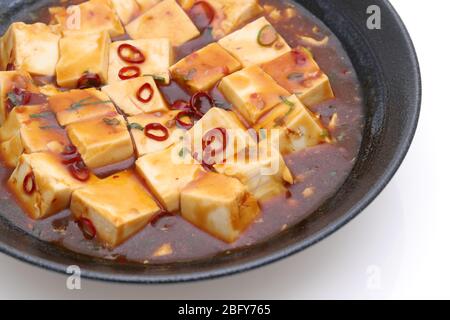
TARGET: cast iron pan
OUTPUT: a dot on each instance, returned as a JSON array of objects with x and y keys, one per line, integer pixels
[{"x": 388, "y": 69}]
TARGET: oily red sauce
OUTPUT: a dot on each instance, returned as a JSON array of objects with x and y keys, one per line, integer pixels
[{"x": 319, "y": 171}]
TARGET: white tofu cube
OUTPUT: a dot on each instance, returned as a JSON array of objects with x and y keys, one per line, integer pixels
[
  {"x": 145, "y": 145},
  {"x": 201, "y": 70},
  {"x": 115, "y": 220},
  {"x": 252, "y": 92},
  {"x": 83, "y": 54},
  {"x": 126, "y": 10},
  {"x": 245, "y": 44},
  {"x": 147, "y": 4},
  {"x": 42, "y": 184},
  {"x": 125, "y": 95},
  {"x": 92, "y": 16},
  {"x": 219, "y": 205},
  {"x": 210, "y": 127},
  {"x": 30, "y": 129},
  {"x": 9, "y": 81},
  {"x": 80, "y": 105},
  {"x": 158, "y": 55},
  {"x": 166, "y": 173},
  {"x": 293, "y": 127},
  {"x": 102, "y": 141},
  {"x": 262, "y": 170},
  {"x": 30, "y": 47},
  {"x": 230, "y": 14},
  {"x": 297, "y": 72},
  {"x": 164, "y": 20}
]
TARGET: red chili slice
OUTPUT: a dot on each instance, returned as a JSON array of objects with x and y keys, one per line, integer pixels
[
  {"x": 181, "y": 105},
  {"x": 156, "y": 127},
  {"x": 88, "y": 228},
  {"x": 134, "y": 54},
  {"x": 79, "y": 171},
  {"x": 29, "y": 184},
  {"x": 10, "y": 67},
  {"x": 202, "y": 14},
  {"x": 197, "y": 103},
  {"x": 129, "y": 72},
  {"x": 89, "y": 80},
  {"x": 142, "y": 90},
  {"x": 71, "y": 158},
  {"x": 69, "y": 150},
  {"x": 299, "y": 57},
  {"x": 183, "y": 124}
]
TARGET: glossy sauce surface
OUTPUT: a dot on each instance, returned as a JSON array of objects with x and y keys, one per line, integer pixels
[{"x": 319, "y": 171}]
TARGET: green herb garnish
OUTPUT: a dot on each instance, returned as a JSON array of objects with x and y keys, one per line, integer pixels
[
  {"x": 15, "y": 101},
  {"x": 325, "y": 133},
  {"x": 190, "y": 75},
  {"x": 156, "y": 77},
  {"x": 84, "y": 102},
  {"x": 44, "y": 114},
  {"x": 136, "y": 126},
  {"x": 48, "y": 127},
  {"x": 296, "y": 76},
  {"x": 111, "y": 121},
  {"x": 287, "y": 102}
]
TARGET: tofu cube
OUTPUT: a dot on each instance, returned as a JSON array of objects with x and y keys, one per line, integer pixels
[
  {"x": 10, "y": 80},
  {"x": 158, "y": 58},
  {"x": 209, "y": 127},
  {"x": 115, "y": 220},
  {"x": 300, "y": 74},
  {"x": 82, "y": 54},
  {"x": 201, "y": 70},
  {"x": 80, "y": 105},
  {"x": 145, "y": 145},
  {"x": 126, "y": 10},
  {"x": 219, "y": 205},
  {"x": 30, "y": 129},
  {"x": 231, "y": 14},
  {"x": 92, "y": 16},
  {"x": 263, "y": 171},
  {"x": 252, "y": 92},
  {"x": 102, "y": 141},
  {"x": 166, "y": 173},
  {"x": 292, "y": 127},
  {"x": 245, "y": 45},
  {"x": 30, "y": 47},
  {"x": 164, "y": 20},
  {"x": 125, "y": 95},
  {"x": 42, "y": 184},
  {"x": 144, "y": 5}
]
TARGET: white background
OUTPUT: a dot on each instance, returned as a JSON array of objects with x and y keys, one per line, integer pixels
[{"x": 398, "y": 247}]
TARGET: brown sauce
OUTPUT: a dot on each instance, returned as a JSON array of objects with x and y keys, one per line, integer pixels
[{"x": 319, "y": 171}]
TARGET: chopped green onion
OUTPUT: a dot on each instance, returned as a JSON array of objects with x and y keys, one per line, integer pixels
[
  {"x": 111, "y": 121},
  {"x": 136, "y": 126}
]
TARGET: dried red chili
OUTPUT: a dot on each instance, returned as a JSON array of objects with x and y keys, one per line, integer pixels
[
  {"x": 156, "y": 127},
  {"x": 89, "y": 80},
  {"x": 146, "y": 87},
  {"x": 88, "y": 228},
  {"x": 299, "y": 57},
  {"x": 29, "y": 184},
  {"x": 134, "y": 54},
  {"x": 129, "y": 72}
]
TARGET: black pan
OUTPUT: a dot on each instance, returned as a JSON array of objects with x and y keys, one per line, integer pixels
[{"x": 388, "y": 69}]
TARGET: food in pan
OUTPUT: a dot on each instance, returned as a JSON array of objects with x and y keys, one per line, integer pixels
[{"x": 151, "y": 130}]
